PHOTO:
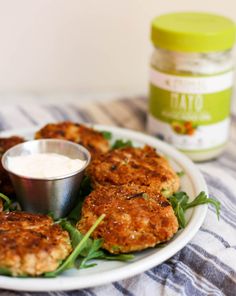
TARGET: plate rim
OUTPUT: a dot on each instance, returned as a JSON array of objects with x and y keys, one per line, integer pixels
[{"x": 132, "y": 268}]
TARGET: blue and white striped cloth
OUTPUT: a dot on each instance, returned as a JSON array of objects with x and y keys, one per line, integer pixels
[{"x": 207, "y": 265}]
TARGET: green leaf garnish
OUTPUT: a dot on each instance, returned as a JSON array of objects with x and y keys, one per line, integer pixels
[
  {"x": 5, "y": 271},
  {"x": 203, "y": 199},
  {"x": 180, "y": 174},
  {"x": 85, "y": 186},
  {"x": 75, "y": 235},
  {"x": 180, "y": 204},
  {"x": 70, "y": 261},
  {"x": 115, "y": 248},
  {"x": 121, "y": 144},
  {"x": 85, "y": 189},
  {"x": 107, "y": 135},
  {"x": 117, "y": 257},
  {"x": 166, "y": 192},
  {"x": 92, "y": 251},
  {"x": 92, "y": 248},
  {"x": 7, "y": 202},
  {"x": 178, "y": 201},
  {"x": 75, "y": 214}
]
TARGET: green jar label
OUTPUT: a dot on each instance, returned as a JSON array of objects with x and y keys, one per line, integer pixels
[{"x": 188, "y": 111}]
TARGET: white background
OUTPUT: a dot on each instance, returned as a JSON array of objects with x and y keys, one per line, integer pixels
[{"x": 85, "y": 46}]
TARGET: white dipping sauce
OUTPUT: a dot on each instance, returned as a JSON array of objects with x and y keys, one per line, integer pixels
[{"x": 44, "y": 165}]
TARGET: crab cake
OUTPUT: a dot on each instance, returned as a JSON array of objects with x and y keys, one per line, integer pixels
[
  {"x": 5, "y": 182},
  {"x": 78, "y": 133},
  {"x": 141, "y": 166},
  {"x": 6, "y": 186},
  {"x": 136, "y": 217},
  {"x": 7, "y": 143},
  {"x": 31, "y": 244}
]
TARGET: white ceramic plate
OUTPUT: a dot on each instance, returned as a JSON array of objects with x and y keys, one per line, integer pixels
[{"x": 109, "y": 271}]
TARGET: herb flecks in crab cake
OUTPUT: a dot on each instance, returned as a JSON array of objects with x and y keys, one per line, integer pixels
[
  {"x": 93, "y": 140},
  {"x": 6, "y": 186},
  {"x": 140, "y": 166},
  {"x": 31, "y": 244},
  {"x": 137, "y": 217}
]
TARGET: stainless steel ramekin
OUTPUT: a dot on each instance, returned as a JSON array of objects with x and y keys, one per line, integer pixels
[{"x": 57, "y": 195}]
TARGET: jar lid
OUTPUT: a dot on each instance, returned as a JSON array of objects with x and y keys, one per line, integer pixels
[{"x": 193, "y": 32}]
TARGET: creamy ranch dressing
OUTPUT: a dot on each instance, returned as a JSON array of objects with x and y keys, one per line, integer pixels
[{"x": 44, "y": 165}]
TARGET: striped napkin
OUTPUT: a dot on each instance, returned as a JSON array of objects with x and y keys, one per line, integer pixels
[{"x": 207, "y": 265}]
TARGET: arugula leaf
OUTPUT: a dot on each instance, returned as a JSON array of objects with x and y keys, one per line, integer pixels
[
  {"x": 121, "y": 144},
  {"x": 75, "y": 214},
  {"x": 85, "y": 186},
  {"x": 85, "y": 189},
  {"x": 51, "y": 214},
  {"x": 179, "y": 202},
  {"x": 92, "y": 248},
  {"x": 92, "y": 251},
  {"x": 5, "y": 271},
  {"x": 70, "y": 260},
  {"x": 166, "y": 192},
  {"x": 7, "y": 202},
  {"x": 107, "y": 135},
  {"x": 117, "y": 257},
  {"x": 203, "y": 199},
  {"x": 180, "y": 174},
  {"x": 75, "y": 235}
]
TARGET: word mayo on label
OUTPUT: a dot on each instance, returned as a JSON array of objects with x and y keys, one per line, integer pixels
[
  {"x": 186, "y": 102},
  {"x": 44, "y": 165}
]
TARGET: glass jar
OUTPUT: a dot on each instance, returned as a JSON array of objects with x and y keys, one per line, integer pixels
[{"x": 191, "y": 82}]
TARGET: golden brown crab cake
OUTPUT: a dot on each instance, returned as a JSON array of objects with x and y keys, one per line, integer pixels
[
  {"x": 136, "y": 217},
  {"x": 1, "y": 205},
  {"x": 93, "y": 140},
  {"x": 7, "y": 143},
  {"x": 23, "y": 220},
  {"x": 6, "y": 186},
  {"x": 31, "y": 244},
  {"x": 141, "y": 166},
  {"x": 5, "y": 182}
]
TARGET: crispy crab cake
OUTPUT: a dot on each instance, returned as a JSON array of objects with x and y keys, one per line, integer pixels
[
  {"x": 93, "y": 140},
  {"x": 5, "y": 182},
  {"x": 7, "y": 143},
  {"x": 137, "y": 217},
  {"x": 140, "y": 166},
  {"x": 31, "y": 244}
]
